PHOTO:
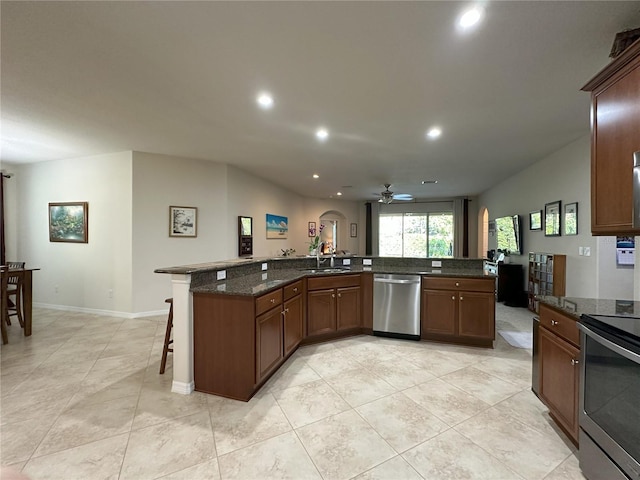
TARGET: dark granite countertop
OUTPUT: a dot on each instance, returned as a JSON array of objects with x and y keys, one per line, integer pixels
[
  {"x": 576, "y": 306},
  {"x": 260, "y": 283}
]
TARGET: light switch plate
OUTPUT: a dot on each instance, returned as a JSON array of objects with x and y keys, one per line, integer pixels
[
  {"x": 587, "y": 251},
  {"x": 580, "y": 250},
  {"x": 264, "y": 266},
  {"x": 436, "y": 263},
  {"x": 346, "y": 261},
  {"x": 264, "y": 276},
  {"x": 221, "y": 274},
  {"x": 366, "y": 261}
]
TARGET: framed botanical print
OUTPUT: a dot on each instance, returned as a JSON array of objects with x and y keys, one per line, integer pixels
[
  {"x": 552, "y": 219},
  {"x": 571, "y": 219},
  {"x": 69, "y": 222},
  {"x": 535, "y": 220},
  {"x": 183, "y": 222}
]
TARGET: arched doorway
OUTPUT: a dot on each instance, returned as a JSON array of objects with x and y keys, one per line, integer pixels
[{"x": 334, "y": 234}]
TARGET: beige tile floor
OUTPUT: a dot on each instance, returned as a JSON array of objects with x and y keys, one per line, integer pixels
[{"x": 82, "y": 399}]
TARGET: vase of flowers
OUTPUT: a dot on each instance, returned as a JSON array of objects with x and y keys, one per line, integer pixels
[{"x": 315, "y": 243}]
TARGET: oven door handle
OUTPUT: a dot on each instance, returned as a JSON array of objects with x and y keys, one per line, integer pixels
[{"x": 634, "y": 357}]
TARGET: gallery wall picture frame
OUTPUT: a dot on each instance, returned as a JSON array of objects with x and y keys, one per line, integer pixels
[
  {"x": 183, "y": 221},
  {"x": 277, "y": 226},
  {"x": 552, "y": 219},
  {"x": 535, "y": 220},
  {"x": 69, "y": 222},
  {"x": 571, "y": 218},
  {"x": 354, "y": 230},
  {"x": 312, "y": 229}
]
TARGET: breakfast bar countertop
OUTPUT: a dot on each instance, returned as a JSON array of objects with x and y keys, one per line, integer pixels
[{"x": 576, "y": 306}]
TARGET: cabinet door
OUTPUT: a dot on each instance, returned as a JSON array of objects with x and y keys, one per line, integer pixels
[
  {"x": 476, "y": 315},
  {"x": 616, "y": 123},
  {"x": 348, "y": 308},
  {"x": 321, "y": 312},
  {"x": 293, "y": 318},
  {"x": 559, "y": 378},
  {"x": 268, "y": 342},
  {"x": 439, "y": 312}
]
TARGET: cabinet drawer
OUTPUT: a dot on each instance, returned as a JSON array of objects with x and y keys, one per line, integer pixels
[
  {"x": 334, "y": 281},
  {"x": 268, "y": 301},
  {"x": 562, "y": 325},
  {"x": 467, "y": 284},
  {"x": 292, "y": 289}
]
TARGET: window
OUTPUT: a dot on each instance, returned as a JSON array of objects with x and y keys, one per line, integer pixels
[{"x": 417, "y": 235}]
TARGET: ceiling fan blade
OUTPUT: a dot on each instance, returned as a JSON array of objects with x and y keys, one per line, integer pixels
[{"x": 402, "y": 196}]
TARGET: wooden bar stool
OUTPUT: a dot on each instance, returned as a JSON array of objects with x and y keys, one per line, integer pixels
[{"x": 167, "y": 336}]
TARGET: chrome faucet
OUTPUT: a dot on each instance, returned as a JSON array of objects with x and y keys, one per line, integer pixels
[
  {"x": 318, "y": 261},
  {"x": 333, "y": 257}
]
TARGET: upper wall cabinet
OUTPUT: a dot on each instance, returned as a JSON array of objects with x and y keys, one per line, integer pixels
[{"x": 615, "y": 135}]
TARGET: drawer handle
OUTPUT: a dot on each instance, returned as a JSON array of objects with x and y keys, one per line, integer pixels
[
  {"x": 295, "y": 289},
  {"x": 273, "y": 300},
  {"x": 553, "y": 323},
  {"x": 574, "y": 361}
]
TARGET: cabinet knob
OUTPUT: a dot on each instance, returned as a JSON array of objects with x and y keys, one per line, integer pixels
[
  {"x": 286, "y": 310},
  {"x": 553, "y": 323},
  {"x": 574, "y": 361},
  {"x": 460, "y": 298},
  {"x": 295, "y": 289},
  {"x": 284, "y": 313},
  {"x": 273, "y": 300},
  {"x": 453, "y": 297},
  {"x": 457, "y": 284},
  {"x": 339, "y": 295},
  {"x": 333, "y": 295}
]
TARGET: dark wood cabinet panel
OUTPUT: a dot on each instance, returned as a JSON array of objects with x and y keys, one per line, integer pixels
[
  {"x": 559, "y": 380},
  {"x": 268, "y": 343},
  {"x": 615, "y": 123},
  {"x": 476, "y": 314},
  {"x": 460, "y": 310},
  {"x": 293, "y": 323},
  {"x": 321, "y": 308},
  {"x": 439, "y": 312},
  {"x": 348, "y": 308}
]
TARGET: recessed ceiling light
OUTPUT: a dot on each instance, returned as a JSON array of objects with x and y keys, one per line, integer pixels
[
  {"x": 322, "y": 134},
  {"x": 339, "y": 194},
  {"x": 434, "y": 132},
  {"x": 265, "y": 100},
  {"x": 315, "y": 175},
  {"x": 470, "y": 18}
]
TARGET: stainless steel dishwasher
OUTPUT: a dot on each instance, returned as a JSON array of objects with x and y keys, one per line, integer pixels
[{"x": 396, "y": 306}]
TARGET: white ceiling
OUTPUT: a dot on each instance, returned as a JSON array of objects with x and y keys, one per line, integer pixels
[{"x": 181, "y": 78}]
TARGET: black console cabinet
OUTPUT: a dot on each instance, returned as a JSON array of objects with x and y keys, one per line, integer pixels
[{"x": 511, "y": 284}]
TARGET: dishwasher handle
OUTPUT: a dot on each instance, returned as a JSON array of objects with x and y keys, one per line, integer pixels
[{"x": 388, "y": 280}]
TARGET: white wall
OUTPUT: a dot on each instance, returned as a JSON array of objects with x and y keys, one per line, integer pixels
[
  {"x": 564, "y": 175},
  {"x": 83, "y": 273},
  {"x": 160, "y": 181}
]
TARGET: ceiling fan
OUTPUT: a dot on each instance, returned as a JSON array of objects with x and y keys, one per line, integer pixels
[{"x": 387, "y": 196}]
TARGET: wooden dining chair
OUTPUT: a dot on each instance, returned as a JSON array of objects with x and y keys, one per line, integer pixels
[{"x": 14, "y": 288}]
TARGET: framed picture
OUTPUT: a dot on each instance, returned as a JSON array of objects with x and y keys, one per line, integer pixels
[
  {"x": 277, "y": 226},
  {"x": 552, "y": 219},
  {"x": 535, "y": 220},
  {"x": 354, "y": 229},
  {"x": 69, "y": 222},
  {"x": 571, "y": 219},
  {"x": 245, "y": 225},
  {"x": 183, "y": 222},
  {"x": 312, "y": 229}
]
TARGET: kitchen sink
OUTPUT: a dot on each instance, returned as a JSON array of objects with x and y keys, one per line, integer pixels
[{"x": 326, "y": 270}]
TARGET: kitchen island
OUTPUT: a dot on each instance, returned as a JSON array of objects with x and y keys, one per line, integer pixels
[{"x": 231, "y": 334}]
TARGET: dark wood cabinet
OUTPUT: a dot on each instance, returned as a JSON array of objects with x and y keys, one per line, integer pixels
[
  {"x": 333, "y": 304},
  {"x": 293, "y": 316},
  {"x": 269, "y": 338},
  {"x": 460, "y": 310},
  {"x": 615, "y": 123},
  {"x": 559, "y": 353}
]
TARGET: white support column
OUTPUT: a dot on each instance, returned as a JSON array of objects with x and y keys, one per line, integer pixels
[{"x": 182, "y": 335}]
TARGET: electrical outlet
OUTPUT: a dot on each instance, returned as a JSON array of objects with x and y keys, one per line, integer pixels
[
  {"x": 55, "y": 289},
  {"x": 346, "y": 261},
  {"x": 221, "y": 274},
  {"x": 587, "y": 251},
  {"x": 366, "y": 261},
  {"x": 436, "y": 263},
  {"x": 110, "y": 293},
  {"x": 264, "y": 266},
  {"x": 265, "y": 276}
]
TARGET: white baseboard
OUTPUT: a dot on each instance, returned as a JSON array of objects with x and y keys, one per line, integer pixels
[
  {"x": 182, "y": 387},
  {"x": 106, "y": 313}
]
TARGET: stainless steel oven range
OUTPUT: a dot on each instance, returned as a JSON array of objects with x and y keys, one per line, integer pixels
[{"x": 610, "y": 397}]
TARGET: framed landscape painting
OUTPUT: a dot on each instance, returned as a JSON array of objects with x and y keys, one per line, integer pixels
[
  {"x": 277, "y": 226},
  {"x": 69, "y": 222},
  {"x": 183, "y": 222},
  {"x": 552, "y": 219}
]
